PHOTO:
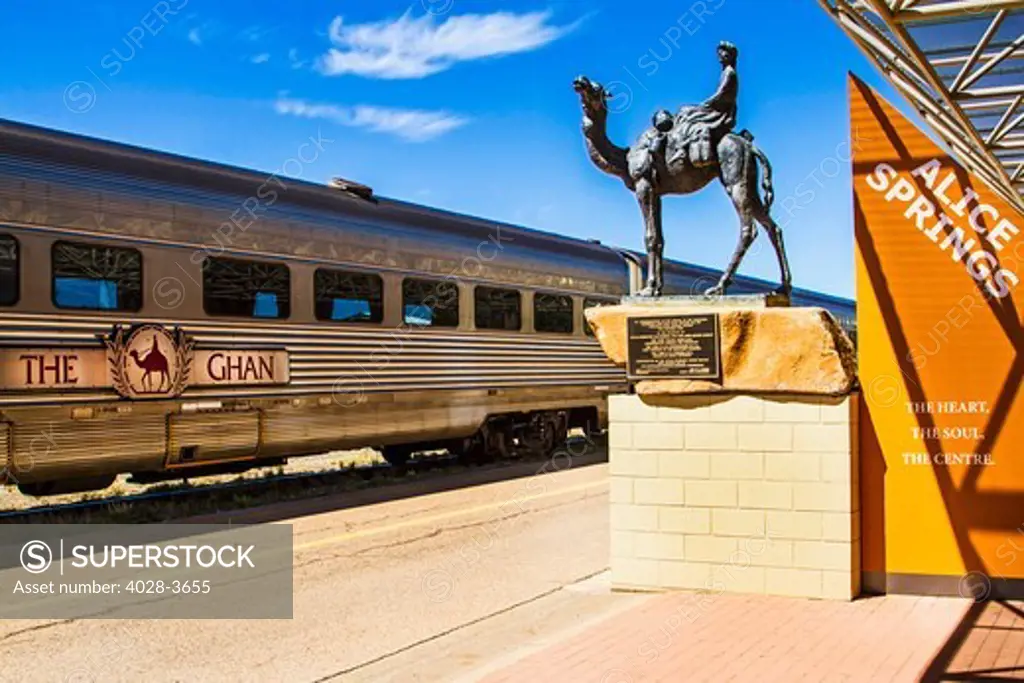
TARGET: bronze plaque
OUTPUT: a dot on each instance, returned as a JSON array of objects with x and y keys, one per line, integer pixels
[{"x": 674, "y": 347}]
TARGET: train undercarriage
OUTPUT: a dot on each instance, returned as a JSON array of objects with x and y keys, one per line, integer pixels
[
  {"x": 508, "y": 436},
  {"x": 501, "y": 437}
]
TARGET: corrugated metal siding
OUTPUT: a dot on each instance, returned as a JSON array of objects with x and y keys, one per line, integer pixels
[
  {"x": 5, "y": 451},
  {"x": 336, "y": 426},
  {"x": 214, "y": 436},
  {"x": 365, "y": 359},
  {"x": 48, "y": 443}
]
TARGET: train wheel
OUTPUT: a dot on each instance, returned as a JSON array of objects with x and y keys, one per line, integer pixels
[
  {"x": 501, "y": 445},
  {"x": 469, "y": 451},
  {"x": 498, "y": 440},
  {"x": 548, "y": 440},
  {"x": 562, "y": 437},
  {"x": 547, "y": 433}
]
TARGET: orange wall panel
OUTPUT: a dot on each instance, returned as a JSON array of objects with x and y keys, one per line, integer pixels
[{"x": 940, "y": 292}]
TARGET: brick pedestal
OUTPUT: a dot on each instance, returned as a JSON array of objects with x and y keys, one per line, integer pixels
[{"x": 742, "y": 494}]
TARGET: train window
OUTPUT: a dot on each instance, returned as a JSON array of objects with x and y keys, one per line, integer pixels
[
  {"x": 497, "y": 309},
  {"x": 348, "y": 297},
  {"x": 93, "y": 277},
  {"x": 9, "y": 271},
  {"x": 430, "y": 302},
  {"x": 590, "y": 303},
  {"x": 552, "y": 313},
  {"x": 251, "y": 289}
]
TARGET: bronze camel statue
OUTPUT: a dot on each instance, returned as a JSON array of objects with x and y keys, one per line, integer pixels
[{"x": 657, "y": 166}]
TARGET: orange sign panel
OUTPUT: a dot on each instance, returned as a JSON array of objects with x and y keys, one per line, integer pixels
[
  {"x": 940, "y": 264},
  {"x": 229, "y": 366},
  {"x": 31, "y": 369},
  {"x": 149, "y": 361}
]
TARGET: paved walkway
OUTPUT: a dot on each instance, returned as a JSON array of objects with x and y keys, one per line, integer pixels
[{"x": 691, "y": 637}]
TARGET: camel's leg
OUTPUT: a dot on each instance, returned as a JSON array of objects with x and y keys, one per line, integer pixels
[
  {"x": 748, "y": 232},
  {"x": 775, "y": 235},
  {"x": 739, "y": 193},
  {"x": 650, "y": 205},
  {"x": 738, "y": 173}
]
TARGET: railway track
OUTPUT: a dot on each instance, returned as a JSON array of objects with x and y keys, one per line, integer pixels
[{"x": 159, "y": 503}]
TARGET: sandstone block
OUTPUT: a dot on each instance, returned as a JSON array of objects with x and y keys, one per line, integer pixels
[{"x": 763, "y": 350}]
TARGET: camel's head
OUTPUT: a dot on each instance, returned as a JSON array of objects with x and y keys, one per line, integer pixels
[{"x": 593, "y": 96}]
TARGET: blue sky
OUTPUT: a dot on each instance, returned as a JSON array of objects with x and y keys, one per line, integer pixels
[{"x": 465, "y": 105}]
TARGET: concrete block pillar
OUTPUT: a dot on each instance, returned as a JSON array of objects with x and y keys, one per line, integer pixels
[{"x": 743, "y": 494}]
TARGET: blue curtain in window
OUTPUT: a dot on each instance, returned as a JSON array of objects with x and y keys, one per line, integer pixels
[
  {"x": 350, "y": 309},
  {"x": 418, "y": 314},
  {"x": 265, "y": 305},
  {"x": 75, "y": 292}
]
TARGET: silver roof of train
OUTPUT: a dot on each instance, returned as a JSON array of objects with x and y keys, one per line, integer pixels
[
  {"x": 600, "y": 262},
  {"x": 89, "y": 151}
]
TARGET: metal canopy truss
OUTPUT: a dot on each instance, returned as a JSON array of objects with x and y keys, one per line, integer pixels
[{"x": 960, "y": 63}]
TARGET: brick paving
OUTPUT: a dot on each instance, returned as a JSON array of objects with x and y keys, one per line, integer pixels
[{"x": 699, "y": 637}]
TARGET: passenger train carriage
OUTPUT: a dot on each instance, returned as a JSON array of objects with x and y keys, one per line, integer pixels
[{"x": 170, "y": 317}]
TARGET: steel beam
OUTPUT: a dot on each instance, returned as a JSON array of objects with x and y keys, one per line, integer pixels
[
  {"x": 965, "y": 77},
  {"x": 945, "y": 103},
  {"x": 954, "y": 9}
]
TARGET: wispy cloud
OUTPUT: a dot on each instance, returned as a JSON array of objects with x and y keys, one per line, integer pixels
[
  {"x": 254, "y": 33},
  {"x": 195, "y": 36},
  {"x": 410, "y": 47},
  {"x": 261, "y": 58},
  {"x": 294, "y": 60},
  {"x": 414, "y": 125}
]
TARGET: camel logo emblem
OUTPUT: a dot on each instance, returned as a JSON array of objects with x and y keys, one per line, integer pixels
[{"x": 149, "y": 361}]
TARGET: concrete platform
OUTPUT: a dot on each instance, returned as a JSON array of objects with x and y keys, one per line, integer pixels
[{"x": 507, "y": 581}]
